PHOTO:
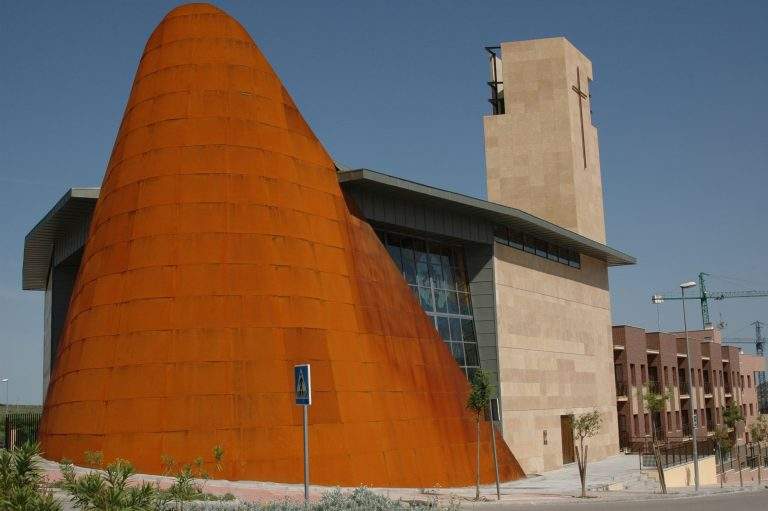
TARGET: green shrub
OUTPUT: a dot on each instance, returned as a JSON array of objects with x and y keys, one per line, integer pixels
[
  {"x": 108, "y": 490},
  {"x": 359, "y": 499},
  {"x": 22, "y": 485}
]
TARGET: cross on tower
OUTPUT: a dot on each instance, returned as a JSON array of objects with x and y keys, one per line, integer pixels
[{"x": 582, "y": 96}]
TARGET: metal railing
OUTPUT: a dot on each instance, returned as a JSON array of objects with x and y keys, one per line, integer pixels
[
  {"x": 748, "y": 455},
  {"x": 707, "y": 387},
  {"x": 677, "y": 453},
  {"x": 684, "y": 389},
  {"x": 621, "y": 388},
  {"x": 20, "y": 428},
  {"x": 655, "y": 386}
]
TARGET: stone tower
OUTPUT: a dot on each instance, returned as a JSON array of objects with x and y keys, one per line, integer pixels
[{"x": 541, "y": 148}]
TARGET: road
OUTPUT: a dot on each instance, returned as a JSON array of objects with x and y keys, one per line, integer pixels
[{"x": 751, "y": 501}]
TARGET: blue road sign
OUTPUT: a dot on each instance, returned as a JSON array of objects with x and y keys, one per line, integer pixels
[{"x": 302, "y": 382}]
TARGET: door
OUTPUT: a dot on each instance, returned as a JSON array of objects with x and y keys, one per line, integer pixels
[{"x": 566, "y": 430}]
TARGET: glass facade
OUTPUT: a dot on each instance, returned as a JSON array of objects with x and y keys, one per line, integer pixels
[{"x": 436, "y": 273}]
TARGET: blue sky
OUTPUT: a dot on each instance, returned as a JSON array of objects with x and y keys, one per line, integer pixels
[{"x": 680, "y": 98}]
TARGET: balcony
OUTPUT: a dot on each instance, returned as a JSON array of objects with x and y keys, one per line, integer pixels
[
  {"x": 655, "y": 386},
  {"x": 711, "y": 425},
  {"x": 728, "y": 388},
  {"x": 684, "y": 389},
  {"x": 708, "y": 388},
  {"x": 621, "y": 390},
  {"x": 687, "y": 429}
]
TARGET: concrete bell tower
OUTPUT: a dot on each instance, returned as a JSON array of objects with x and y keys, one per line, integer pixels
[{"x": 541, "y": 148}]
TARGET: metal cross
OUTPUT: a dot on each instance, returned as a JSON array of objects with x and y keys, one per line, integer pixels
[{"x": 582, "y": 96}]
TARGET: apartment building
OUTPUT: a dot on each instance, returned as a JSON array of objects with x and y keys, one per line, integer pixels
[{"x": 715, "y": 376}]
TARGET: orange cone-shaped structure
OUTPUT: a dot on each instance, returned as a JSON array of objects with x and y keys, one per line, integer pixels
[{"x": 221, "y": 253}]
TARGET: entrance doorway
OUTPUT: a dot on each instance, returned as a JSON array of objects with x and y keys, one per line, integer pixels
[{"x": 566, "y": 430}]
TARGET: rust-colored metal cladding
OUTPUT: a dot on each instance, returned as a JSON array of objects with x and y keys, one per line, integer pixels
[{"x": 222, "y": 252}]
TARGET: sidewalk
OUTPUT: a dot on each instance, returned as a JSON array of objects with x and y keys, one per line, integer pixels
[{"x": 615, "y": 478}]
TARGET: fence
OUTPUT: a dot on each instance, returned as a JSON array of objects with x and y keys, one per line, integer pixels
[
  {"x": 677, "y": 453},
  {"x": 20, "y": 428},
  {"x": 748, "y": 454}
]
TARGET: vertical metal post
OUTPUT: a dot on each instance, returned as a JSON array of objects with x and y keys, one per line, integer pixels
[
  {"x": 7, "y": 401},
  {"x": 306, "y": 454},
  {"x": 692, "y": 392},
  {"x": 495, "y": 458}
]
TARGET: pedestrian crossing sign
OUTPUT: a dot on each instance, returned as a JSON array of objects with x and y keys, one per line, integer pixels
[{"x": 303, "y": 384}]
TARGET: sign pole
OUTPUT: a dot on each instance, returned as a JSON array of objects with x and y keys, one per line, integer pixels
[
  {"x": 302, "y": 382},
  {"x": 495, "y": 459},
  {"x": 306, "y": 454}
]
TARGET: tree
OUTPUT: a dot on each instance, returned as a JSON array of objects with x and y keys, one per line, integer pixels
[
  {"x": 585, "y": 426},
  {"x": 655, "y": 402},
  {"x": 759, "y": 433},
  {"x": 722, "y": 439},
  {"x": 22, "y": 481},
  {"x": 477, "y": 401},
  {"x": 731, "y": 416}
]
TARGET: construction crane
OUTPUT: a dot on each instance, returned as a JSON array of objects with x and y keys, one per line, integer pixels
[
  {"x": 758, "y": 341},
  {"x": 705, "y": 296}
]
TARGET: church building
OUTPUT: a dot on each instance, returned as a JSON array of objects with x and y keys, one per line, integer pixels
[{"x": 516, "y": 283}]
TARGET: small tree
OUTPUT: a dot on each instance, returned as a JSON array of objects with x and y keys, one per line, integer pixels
[
  {"x": 732, "y": 416},
  {"x": 722, "y": 440},
  {"x": 759, "y": 432},
  {"x": 477, "y": 401},
  {"x": 655, "y": 402},
  {"x": 585, "y": 426}
]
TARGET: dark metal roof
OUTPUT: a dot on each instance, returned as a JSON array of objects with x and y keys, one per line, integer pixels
[
  {"x": 492, "y": 212},
  {"x": 73, "y": 209}
]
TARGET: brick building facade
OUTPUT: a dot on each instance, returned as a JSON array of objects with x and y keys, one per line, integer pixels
[{"x": 718, "y": 375}]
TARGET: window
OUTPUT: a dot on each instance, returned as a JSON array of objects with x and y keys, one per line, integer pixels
[
  {"x": 669, "y": 421},
  {"x": 642, "y": 373},
  {"x": 532, "y": 245},
  {"x": 436, "y": 273},
  {"x": 647, "y": 420},
  {"x": 677, "y": 413},
  {"x": 666, "y": 376},
  {"x": 674, "y": 377},
  {"x": 749, "y": 381},
  {"x": 632, "y": 374},
  {"x": 742, "y": 381},
  {"x": 635, "y": 424},
  {"x": 751, "y": 409}
]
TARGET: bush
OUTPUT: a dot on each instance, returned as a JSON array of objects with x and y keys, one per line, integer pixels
[
  {"x": 22, "y": 485},
  {"x": 108, "y": 490},
  {"x": 359, "y": 499}
]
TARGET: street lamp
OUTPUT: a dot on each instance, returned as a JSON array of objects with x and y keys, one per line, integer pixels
[
  {"x": 5, "y": 380},
  {"x": 692, "y": 405},
  {"x": 658, "y": 300}
]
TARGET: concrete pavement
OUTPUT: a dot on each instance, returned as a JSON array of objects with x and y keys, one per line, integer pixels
[{"x": 739, "y": 501}]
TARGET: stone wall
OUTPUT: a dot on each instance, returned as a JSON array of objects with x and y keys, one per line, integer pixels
[{"x": 555, "y": 353}]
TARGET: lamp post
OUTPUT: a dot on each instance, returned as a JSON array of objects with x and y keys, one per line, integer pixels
[
  {"x": 5, "y": 380},
  {"x": 5, "y": 418},
  {"x": 693, "y": 390}
]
